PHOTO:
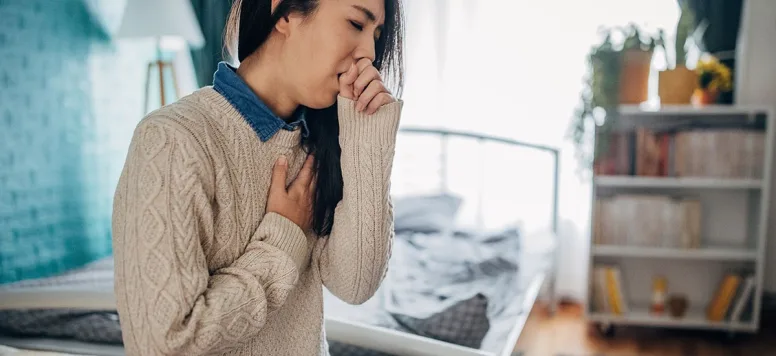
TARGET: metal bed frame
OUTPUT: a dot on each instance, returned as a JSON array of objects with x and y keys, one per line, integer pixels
[
  {"x": 393, "y": 342},
  {"x": 554, "y": 153},
  {"x": 446, "y": 134}
]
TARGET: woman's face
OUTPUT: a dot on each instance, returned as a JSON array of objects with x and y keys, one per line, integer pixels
[{"x": 319, "y": 48}]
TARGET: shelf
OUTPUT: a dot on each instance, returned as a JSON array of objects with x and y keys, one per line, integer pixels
[
  {"x": 671, "y": 182},
  {"x": 707, "y": 253},
  {"x": 645, "y": 109},
  {"x": 695, "y": 318},
  {"x": 726, "y": 216}
]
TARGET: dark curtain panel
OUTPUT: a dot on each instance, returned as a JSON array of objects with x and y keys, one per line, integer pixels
[
  {"x": 724, "y": 19},
  {"x": 212, "y": 16}
]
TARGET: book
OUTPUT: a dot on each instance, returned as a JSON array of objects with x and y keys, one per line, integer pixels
[
  {"x": 608, "y": 291},
  {"x": 684, "y": 152},
  {"x": 649, "y": 220},
  {"x": 599, "y": 290},
  {"x": 742, "y": 299},
  {"x": 718, "y": 307}
]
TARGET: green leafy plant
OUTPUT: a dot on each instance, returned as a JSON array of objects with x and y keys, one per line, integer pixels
[
  {"x": 684, "y": 28},
  {"x": 636, "y": 40},
  {"x": 598, "y": 112},
  {"x": 686, "y": 32}
]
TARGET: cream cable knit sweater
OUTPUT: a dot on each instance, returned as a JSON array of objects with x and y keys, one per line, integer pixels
[{"x": 202, "y": 270}]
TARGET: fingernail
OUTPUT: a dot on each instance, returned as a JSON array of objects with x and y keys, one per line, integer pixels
[{"x": 282, "y": 161}]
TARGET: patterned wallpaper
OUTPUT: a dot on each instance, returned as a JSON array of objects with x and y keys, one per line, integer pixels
[{"x": 70, "y": 98}]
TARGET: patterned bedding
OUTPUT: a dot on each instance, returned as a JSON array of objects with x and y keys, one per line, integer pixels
[
  {"x": 100, "y": 326},
  {"x": 459, "y": 288}
]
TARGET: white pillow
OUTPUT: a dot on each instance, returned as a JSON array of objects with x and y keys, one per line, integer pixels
[{"x": 427, "y": 214}]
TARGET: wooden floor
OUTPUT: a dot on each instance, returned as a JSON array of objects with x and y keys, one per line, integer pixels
[{"x": 566, "y": 333}]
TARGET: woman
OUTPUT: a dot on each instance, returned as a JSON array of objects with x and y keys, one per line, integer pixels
[{"x": 239, "y": 202}]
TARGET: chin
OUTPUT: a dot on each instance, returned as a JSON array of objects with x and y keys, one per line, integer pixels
[{"x": 321, "y": 101}]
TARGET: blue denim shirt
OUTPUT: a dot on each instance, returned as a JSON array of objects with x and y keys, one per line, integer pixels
[{"x": 246, "y": 102}]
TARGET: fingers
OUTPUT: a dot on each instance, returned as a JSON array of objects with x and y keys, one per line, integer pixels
[
  {"x": 366, "y": 78},
  {"x": 369, "y": 94},
  {"x": 313, "y": 184},
  {"x": 363, "y": 64},
  {"x": 346, "y": 81},
  {"x": 379, "y": 100},
  {"x": 305, "y": 177},
  {"x": 279, "y": 176},
  {"x": 362, "y": 83}
]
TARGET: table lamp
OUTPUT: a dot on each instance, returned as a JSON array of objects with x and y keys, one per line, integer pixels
[{"x": 171, "y": 23}]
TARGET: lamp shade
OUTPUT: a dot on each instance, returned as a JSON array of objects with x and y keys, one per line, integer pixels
[{"x": 161, "y": 18}]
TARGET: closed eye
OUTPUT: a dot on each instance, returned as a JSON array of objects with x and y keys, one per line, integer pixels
[{"x": 356, "y": 25}]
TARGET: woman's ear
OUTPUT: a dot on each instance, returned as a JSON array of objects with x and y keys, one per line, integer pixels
[{"x": 283, "y": 25}]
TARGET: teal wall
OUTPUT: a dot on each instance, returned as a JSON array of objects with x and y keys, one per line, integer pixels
[{"x": 69, "y": 100}]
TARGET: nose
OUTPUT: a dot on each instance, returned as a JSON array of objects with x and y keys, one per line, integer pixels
[{"x": 365, "y": 49}]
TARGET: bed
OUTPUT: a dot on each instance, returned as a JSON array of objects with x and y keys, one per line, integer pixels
[{"x": 462, "y": 278}]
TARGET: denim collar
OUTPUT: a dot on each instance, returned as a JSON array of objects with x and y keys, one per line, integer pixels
[{"x": 251, "y": 107}]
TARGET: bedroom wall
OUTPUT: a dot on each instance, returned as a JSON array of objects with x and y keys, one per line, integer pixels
[
  {"x": 756, "y": 85},
  {"x": 69, "y": 99}
]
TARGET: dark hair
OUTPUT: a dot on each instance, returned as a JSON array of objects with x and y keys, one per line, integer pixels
[{"x": 250, "y": 24}]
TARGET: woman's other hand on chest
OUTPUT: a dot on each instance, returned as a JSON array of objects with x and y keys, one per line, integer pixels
[{"x": 295, "y": 201}]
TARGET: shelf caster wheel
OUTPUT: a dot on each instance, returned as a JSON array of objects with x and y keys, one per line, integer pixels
[{"x": 733, "y": 337}]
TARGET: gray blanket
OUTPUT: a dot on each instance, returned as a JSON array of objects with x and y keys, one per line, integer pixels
[
  {"x": 430, "y": 273},
  {"x": 453, "y": 288}
]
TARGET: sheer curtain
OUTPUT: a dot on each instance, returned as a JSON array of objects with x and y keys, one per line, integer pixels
[{"x": 515, "y": 69}]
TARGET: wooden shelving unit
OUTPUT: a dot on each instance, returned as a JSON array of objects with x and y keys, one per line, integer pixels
[
  {"x": 694, "y": 319},
  {"x": 732, "y": 217}
]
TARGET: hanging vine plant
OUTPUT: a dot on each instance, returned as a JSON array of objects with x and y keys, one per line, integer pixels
[{"x": 598, "y": 110}]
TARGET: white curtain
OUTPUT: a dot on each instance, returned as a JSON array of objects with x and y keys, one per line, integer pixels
[{"x": 514, "y": 68}]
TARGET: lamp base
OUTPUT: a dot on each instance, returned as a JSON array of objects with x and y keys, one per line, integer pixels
[{"x": 160, "y": 66}]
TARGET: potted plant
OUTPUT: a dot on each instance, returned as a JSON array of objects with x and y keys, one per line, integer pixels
[
  {"x": 609, "y": 66},
  {"x": 677, "y": 83},
  {"x": 713, "y": 78},
  {"x": 636, "y": 63},
  {"x": 599, "y": 97}
]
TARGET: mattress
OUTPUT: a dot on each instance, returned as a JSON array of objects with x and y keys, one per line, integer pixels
[
  {"x": 461, "y": 288},
  {"x": 91, "y": 285},
  {"x": 69, "y": 347}
]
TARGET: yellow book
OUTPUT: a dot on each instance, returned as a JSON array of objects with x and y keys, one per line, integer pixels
[
  {"x": 716, "y": 303},
  {"x": 719, "y": 305},
  {"x": 615, "y": 298},
  {"x": 715, "y": 300},
  {"x": 728, "y": 299}
]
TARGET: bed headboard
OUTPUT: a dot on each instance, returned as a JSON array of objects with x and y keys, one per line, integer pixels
[{"x": 445, "y": 136}]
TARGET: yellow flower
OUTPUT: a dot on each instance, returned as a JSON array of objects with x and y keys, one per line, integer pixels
[{"x": 713, "y": 75}]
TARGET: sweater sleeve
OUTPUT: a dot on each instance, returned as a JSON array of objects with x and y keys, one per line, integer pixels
[
  {"x": 168, "y": 301},
  {"x": 354, "y": 258}
]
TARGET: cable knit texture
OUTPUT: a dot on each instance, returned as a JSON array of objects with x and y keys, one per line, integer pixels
[{"x": 202, "y": 270}]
